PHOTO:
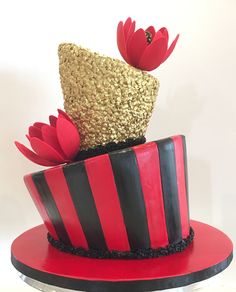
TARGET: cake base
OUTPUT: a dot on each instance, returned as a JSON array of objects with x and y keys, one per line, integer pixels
[{"x": 209, "y": 254}]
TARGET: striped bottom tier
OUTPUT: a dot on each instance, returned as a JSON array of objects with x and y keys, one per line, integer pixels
[{"x": 135, "y": 198}]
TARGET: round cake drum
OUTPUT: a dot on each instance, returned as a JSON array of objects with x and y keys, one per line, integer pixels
[{"x": 209, "y": 254}]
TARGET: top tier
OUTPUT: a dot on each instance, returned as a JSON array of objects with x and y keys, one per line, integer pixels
[{"x": 108, "y": 100}]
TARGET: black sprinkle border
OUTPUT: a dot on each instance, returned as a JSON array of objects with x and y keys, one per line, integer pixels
[
  {"x": 144, "y": 253},
  {"x": 112, "y": 146}
]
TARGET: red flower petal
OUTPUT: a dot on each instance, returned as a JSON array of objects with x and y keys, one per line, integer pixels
[
  {"x": 32, "y": 156},
  {"x": 153, "y": 55},
  {"x": 39, "y": 125},
  {"x": 136, "y": 46},
  {"x": 35, "y": 132},
  {"x": 131, "y": 31},
  {"x": 49, "y": 135},
  {"x": 46, "y": 151},
  {"x": 158, "y": 36},
  {"x": 68, "y": 137},
  {"x": 53, "y": 120},
  {"x": 171, "y": 48},
  {"x": 121, "y": 43},
  {"x": 127, "y": 27},
  {"x": 65, "y": 115},
  {"x": 165, "y": 33},
  {"x": 151, "y": 29}
]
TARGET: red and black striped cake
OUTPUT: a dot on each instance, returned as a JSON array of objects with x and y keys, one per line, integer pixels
[
  {"x": 127, "y": 203},
  {"x": 110, "y": 194}
]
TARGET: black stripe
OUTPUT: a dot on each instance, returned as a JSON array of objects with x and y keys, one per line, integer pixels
[
  {"x": 127, "y": 178},
  {"x": 81, "y": 194},
  {"x": 170, "y": 189},
  {"x": 186, "y": 171},
  {"x": 50, "y": 205}
]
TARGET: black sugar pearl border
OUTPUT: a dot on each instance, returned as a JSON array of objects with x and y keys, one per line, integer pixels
[
  {"x": 144, "y": 253},
  {"x": 112, "y": 146}
]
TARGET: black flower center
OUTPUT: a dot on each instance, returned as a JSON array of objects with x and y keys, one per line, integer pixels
[{"x": 148, "y": 36}]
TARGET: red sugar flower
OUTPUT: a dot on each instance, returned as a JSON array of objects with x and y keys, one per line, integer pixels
[
  {"x": 53, "y": 144},
  {"x": 143, "y": 49}
]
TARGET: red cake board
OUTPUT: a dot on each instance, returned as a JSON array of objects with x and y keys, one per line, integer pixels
[{"x": 209, "y": 254}]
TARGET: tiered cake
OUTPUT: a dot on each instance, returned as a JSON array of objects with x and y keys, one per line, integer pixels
[
  {"x": 116, "y": 196},
  {"x": 115, "y": 209}
]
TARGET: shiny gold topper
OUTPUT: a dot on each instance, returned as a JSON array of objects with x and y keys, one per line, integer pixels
[{"x": 108, "y": 100}]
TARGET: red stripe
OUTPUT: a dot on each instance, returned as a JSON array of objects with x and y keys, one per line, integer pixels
[
  {"x": 183, "y": 203},
  {"x": 61, "y": 195},
  {"x": 39, "y": 204},
  {"x": 105, "y": 195},
  {"x": 149, "y": 169}
]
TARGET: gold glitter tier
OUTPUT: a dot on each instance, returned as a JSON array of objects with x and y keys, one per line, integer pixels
[{"x": 107, "y": 99}]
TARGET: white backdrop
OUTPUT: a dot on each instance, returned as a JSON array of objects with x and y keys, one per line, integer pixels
[{"x": 196, "y": 98}]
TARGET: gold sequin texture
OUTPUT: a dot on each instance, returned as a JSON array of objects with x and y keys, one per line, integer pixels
[{"x": 108, "y": 100}]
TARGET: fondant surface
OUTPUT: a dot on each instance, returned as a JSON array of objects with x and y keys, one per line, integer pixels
[
  {"x": 124, "y": 200},
  {"x": 34, "y": 257}
]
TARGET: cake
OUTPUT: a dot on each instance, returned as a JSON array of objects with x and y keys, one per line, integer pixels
[
  {"x": 109, "y": 193},
  {"x": 115, "y": 207}
]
